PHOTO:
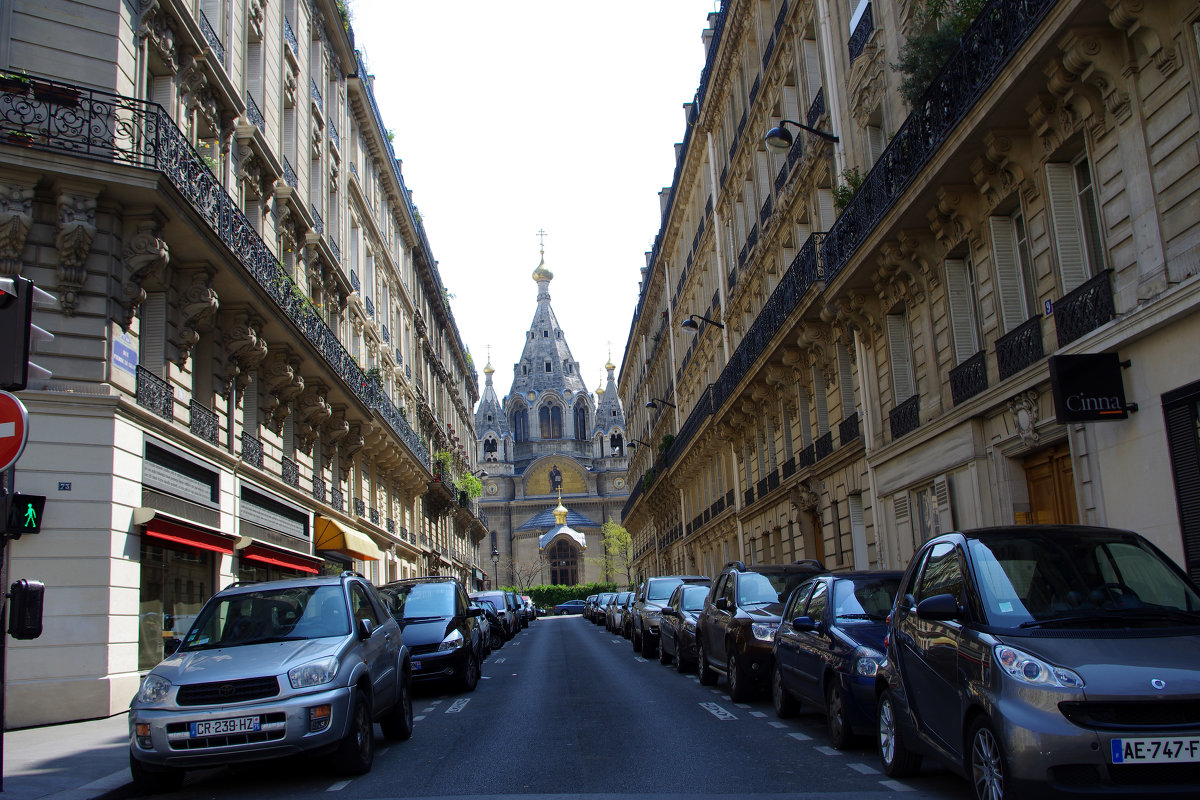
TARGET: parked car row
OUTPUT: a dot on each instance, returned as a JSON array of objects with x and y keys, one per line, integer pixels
[
  {"x": 1029, "y": 659},
  {"x": 309, "y": 665}
]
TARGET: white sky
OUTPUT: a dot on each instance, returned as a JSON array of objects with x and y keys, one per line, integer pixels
[{"x": 554, "y": 115}]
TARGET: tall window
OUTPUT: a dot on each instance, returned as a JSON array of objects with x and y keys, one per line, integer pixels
[
  {"x": 520, "y": 424},
  {"x": 550, "y": 422},
  {"x": 1014, "y": 269},
  {"x": 904, "y": 384},
  {"x": 581, "y": 421},
  {"x": 1076, "y": 221},
  {"x": 964, "y": 319},
  {"x": 564, "y": 564}
]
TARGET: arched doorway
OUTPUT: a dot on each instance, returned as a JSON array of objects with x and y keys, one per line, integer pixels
[{"x": 563, "y": 559}]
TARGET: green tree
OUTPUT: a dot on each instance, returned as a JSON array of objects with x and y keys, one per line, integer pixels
[
  {"x": 937, "y": 28},
  {"x": 618, "y": 551}
]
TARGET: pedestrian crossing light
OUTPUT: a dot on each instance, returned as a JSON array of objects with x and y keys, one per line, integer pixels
[
  {"x": 24, "y": 514},
  {"x": 18, "y": 333}
]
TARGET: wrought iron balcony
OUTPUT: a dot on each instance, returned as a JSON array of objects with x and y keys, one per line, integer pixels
[
  {"x": 154, "y": 393},
  {"x": 373, "y": 515},
  {"x": 337, "y": 251},
  {"x": 337, "y": 499},
  {"x": 333, "y": 135},
  {"x": 862, "y": 32},
  {"x": 289, "y": 36},
  {"x": 773, "y": 481},
  {"x": 968, "y": 378},
  {"x": 387, "y": 336},
  {"x": 204, "y": 422},
  {"x": 318, "y": 489},
  {"x": 390, "y": 526},
  {"x": 765, "y": 213},
  {"x": 1085, "y": 308},
  {"x": 289, "y": 174},
  {"x": 254, "y": 114},
  {"x": 848, "y": 430},
  {"x": 318, "y": 223},
  {"x": 761, "y": 488},
  {"x": 315, "y": 94},
  {"x": 748, "y": 496},
  {"x": 1020, "y": 347},
  {"x": 906, "y": 417},
  {"x": 816, "y": 109},
  {"x": 399, "y": 356},
  {"x": 789, "y": 467},
  {"x": 290, "y": 472},
  {"x": 355, "y": 286},
  {"x": 210, "y": 36},
  {"x": 370, "y": 306},
  {"x": 360, "y": 508},
  {"x": 824, "y": 445},
  {"x": 252, "y": 450}
]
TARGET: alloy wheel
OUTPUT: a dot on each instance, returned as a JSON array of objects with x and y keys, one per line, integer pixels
[{"x": 987, "y": 765}]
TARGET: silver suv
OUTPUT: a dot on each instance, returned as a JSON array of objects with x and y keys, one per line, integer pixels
[
  {"x": 652, "y": 595},
  {"x": 274, "y": 669}
]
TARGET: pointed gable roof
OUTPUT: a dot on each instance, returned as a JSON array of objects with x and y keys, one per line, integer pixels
[
  {"x": 490, "y": 407},
  {"x": 545, "y": 344},
  {"x": 609, "y": 414}
]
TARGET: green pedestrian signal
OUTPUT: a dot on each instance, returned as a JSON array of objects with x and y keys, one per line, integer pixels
[{"x": 24, "y": 514}]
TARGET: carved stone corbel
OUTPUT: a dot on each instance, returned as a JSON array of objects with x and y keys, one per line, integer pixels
[
  {"x": 146, "y": 257},
  {"x": 151, "y": 25},
  {"x": 16, "y": 218},
  {"x": 312, "y": 412},
  {"x": 285, "y": 384},
  {"x": 76, "y": 230},
  {"x": 952, "y": 218},
  {"x": 1149, "y": 26},
  {"x": 804, "y": 498},
  {"x": 245, "y": 347},
  {"x": 198, "y": 306}
]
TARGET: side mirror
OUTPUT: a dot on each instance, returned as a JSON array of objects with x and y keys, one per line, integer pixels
[
  {"x": 364, "y": 627},
  {"x": 171, "y": 646},
  {"x": 723, "y": 604},
  {"x": 474, "y": 611},
  {"x": 25, "y": 609},
  {"x": 939, "y": 607},
  {"x": 805, "y": 624},
  {"x": 670, "y": 612}
]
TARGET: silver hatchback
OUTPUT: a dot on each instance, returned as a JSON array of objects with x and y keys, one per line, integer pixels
[{"x": 274, "y": 669}]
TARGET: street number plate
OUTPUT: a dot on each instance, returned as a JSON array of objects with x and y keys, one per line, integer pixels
[
  {"x": 1157, "y": 750},
  {"x": 221, "y": 727}
]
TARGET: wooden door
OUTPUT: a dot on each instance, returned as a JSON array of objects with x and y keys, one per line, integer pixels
[{"x": 1051, "y": 483}]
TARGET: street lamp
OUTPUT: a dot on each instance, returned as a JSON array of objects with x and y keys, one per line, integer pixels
[
  {"x": 692, "y": 327},
  {"x": 780, "y": 139},
  {"x": 652, "y": 403},
  {"x": 635, "y": 442}
]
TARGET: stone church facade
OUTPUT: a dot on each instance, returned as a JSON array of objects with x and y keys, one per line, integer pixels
[{"x": 550, "y": 445}]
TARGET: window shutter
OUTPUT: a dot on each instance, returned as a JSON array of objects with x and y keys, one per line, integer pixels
[
  {"x": 250, "y": 406},
  {"x": 160, "y": 92},
  {"x": 812, "y": 68},
  {"x": 1068, "y": 235},
  {"x": 904, "y": 528},
  {"x": 1183, "y": 443},
  {"x": 820, "y": 401},
  {"x": 805, "y": 418},
  {"x": 941, "y": 493},
  {"x": 289, "y": 134},
  {"x": 875, "y": 142},
  {"x": 825, "y": 209},
  {"x": 900, "y": 356},
  {"x": 845, "y": 381},
  {"x": 289, "y": 437},
  {"x": 153, "y": 333},
  {"x": 858, "y": 532},
  {"x": 1008, "y": 273},
  {"x": 958, "y": 297},
  {"x": 254, "y": 71}
]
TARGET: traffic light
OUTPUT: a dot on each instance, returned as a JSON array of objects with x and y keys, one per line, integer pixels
[
  {"x": 24, "y": 514},
  {"x": 17, "y": 332}
]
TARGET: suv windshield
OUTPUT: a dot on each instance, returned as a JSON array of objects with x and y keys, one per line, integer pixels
[
  {"x": 754, "y": 588},
  {"x": 864, "y": 598},
  {"x": 693, "y": 598},
  {"x": 270, "y": 615},
  {"x": 1032, "y": 580},
  {"x": 422, "y": 600},
  {"x": 660, "y": 590}
]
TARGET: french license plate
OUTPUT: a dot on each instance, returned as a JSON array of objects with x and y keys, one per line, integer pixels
[
  {"x": 416, "y": 666},
  {"x": 220, "y": 727},
  {"x": 1157, "y": 750}
]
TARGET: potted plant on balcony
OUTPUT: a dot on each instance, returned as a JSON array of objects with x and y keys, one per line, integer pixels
[
  {"x": 13, "y": 83},
  {"x": 56, "y": 93},
  {"x": 472, "y": 487},
  {"x": 20, "y": 138},
  {"x": 442, "y": 460}
]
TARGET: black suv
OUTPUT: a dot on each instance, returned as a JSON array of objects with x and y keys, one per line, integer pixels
[
  {"x": 440, "y": 627},
  {"x": 736, "y": 629},
  {"x": 648, "y": 604}
]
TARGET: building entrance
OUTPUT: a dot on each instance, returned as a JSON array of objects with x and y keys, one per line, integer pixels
[{"x": 1051, "y": 482}]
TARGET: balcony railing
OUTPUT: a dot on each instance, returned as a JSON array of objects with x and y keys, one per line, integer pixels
[
  {"x": 862, "y": 32},
  {"x": 337, "y": 251},
  {"x": 848, "y": 430},
  {"x": 204, "y": 422},
  {"x": 808, "y": 456},
  {"x": 290, "y": 471},
  {"x": 252, "y": 450},
  {"x": 968, "y": 378},
  {"x": 906, "y": 417},
  {"x": 355, "y": 286},
  {"x": 318, "y": 223},
  {"x": 748, "y": 496},
  {"x": 387, "y": 336},
  {"x": 370, "y": 306},
  {"x": 154, "y": 393},
  {"x": 254, "y": 114},
  {"x": 333, "y": 135},
  {"x": 1084, "y": 309},
  {"x": 373, "y": 515},
  {"x": 315, "y": 94},
  {"x": 390, "y": 526},
  {"x": 1019, "y": 348},
  {"x": 816, "y": 109},
  {"x": 824, "y": 445},
  {"x": 289, "y": 174},
  {"x": 337, "y": 499},
  {"x": 210, "y": 36},
  {"x": 318, "y": 490},
  {"x": 289, "y": 36}
]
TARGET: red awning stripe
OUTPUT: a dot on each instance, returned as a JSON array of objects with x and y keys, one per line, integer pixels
[
  {"x": 280, "y": 559},
  {"x": 193, "y": 537}
]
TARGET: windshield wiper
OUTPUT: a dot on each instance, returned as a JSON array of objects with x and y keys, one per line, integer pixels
[
  {"x": 875, "y": 617},
  {"x": 1117, "y": 615},
  {"x": 420, "y": 619}
]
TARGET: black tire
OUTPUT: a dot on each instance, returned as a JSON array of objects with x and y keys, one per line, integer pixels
[
  {"x": 838, "y": 728},
  {"x": 469, "y": 678},
  {"x": 682, "y": 665},
  {"x": 663, "y": 656},
  {"x": 786, "y": 704},
  {"x": 650, "y": 647},
  {"x": 497, "y": 638},
  {"x": 154, "y": 780},
  {"x": 708, "y": 676},
  {"x": 897, "y": 760},
  {"x": 356, "y": 753},
  {"x": 986, "y": 764},
  {"x": 398, "y": 724},
  {"x": 741, "y": 683},
  {"x": 637, "y": 641}
]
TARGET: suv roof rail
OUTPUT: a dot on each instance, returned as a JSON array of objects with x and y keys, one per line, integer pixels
[
  {"x": 810, "y": 562},
  {"x": 740, "y": 566},
  {"x": 352, "y": 574}
]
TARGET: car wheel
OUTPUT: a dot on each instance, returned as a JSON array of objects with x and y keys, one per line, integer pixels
[
  {"x": 470, "y": 674},
  {"x": 786, "y": 704},
  {"x": 398, "y": 724},
  {"x": 637, "y": 641},
  {"x": 681, "y": 664},
  {"x": 151, "y": 780},
  {"x": 840, "y": 735},
  {"x": 663, "y": 656},
  {"x": 708, "y": 676},
  {"x": 741, "y": 685},
  {"x": 357, "y": 751},
  {"x": 649, "y": 647},
  {"x": 987, "y": 767},
  {"x": 898, "y": 761},
  {"x": 497, "y": 639}
]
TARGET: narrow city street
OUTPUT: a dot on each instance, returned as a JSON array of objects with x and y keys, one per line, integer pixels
[{"x": 568, "y": 709}]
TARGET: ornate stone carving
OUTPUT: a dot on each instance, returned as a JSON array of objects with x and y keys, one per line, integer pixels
[
  {"x": 245, "y": 348},
  {"x": 255, "y": 18},
  {"x": 198, "y": 306},
  {"x": 76, "y": 229},
  {"x": 804, "y": 498},
  {"x": 152, "y": 26},
  {"x": 1147, "y": 25},
  {"x": 284, "y": 384},
  {"x": 953, "y": 217},
  {"x": 146, "y": 257},
  {"x": 1003, "y": 167},
  {"x": 1025, "y": 415},
  {"x": 16, "y": 218},
  {"x": 312, "y": 411},
  {"x": 290, "y": 88}
]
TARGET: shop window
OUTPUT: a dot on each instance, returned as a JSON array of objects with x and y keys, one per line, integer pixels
[{"x": 175, "y": 582}]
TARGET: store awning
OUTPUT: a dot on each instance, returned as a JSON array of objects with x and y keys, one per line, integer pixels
[
  {"x": 269, "y": 555},
  {"x": 332, "y": 535},
  {"x": 157, "y": 525}
]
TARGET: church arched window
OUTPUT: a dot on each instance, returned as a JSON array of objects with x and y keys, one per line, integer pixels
[
  {"x": 581, "y": 421},
  {"x": 564, "y": 563},
  {"x": 550, "y": 421},
  {"x": 520, "y": 424}
]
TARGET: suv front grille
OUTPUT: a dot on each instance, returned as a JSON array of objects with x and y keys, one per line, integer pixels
[
  {"x": 272, "y": 727},
  {"x": 424, "y": 649},
  {"x": 210, "y": 694},
  {"x": 1133, "y": 715}
]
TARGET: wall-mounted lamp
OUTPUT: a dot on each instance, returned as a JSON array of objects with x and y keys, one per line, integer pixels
[
  {"x": 632, "y": 443},
  {"x": 690, "y": 325},
  {"x": 480, "y": 474},
  {"x": 779, "y": 138},
  {"x": 654, "y": 401},
  {"x": 495, "y": 557}
]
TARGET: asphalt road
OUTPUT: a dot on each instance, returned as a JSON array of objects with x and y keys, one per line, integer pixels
[{"x": 567, "y": 709}]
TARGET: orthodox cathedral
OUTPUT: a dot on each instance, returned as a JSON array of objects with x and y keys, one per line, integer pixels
[{"x": 554, "y": 457}]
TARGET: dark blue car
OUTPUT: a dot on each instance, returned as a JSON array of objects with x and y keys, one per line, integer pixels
[{"x": 828, "y": 648}]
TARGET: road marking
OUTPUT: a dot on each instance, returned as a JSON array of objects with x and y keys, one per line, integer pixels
[
  {"x": 865, "y": 769},
  {"x": 829, "y": 751},
  {"x": 499, "y": 661},
  {"x": 618, "y": 641},
  {"x": 419, "y": 717},
  {"x": 897, "y": 786},
  {"x": 639, "y": 659},
  {"x": 777, "y": 724},
  {"x": 800, "y": 737},
  {"x": 716, "y": 691},
  {"x": 428, "y": 710},
  {"x": 337, "y": 787},
  {"x": 717, "y": 711},
  {"x": 758, "y": 714},
  {"x": 436, "y": 702},
  {"x": 742, "y": 705},
  {"x": 458, "y": 705}
]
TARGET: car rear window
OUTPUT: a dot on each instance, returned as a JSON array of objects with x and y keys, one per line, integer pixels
[{"x": 660, "y": 590}]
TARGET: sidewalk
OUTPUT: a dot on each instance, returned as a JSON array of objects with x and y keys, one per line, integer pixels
[{"x": 72, "y": 761}]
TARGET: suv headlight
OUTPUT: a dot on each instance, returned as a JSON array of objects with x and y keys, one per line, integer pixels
[
  {"x": 1023, "y": 667},
  {"x": 764, "y": 632},
  {"x": 652, "y": 614},
  {"x": 867, "y": 662},
  {"x": 453, "y": 641},
  {"x": 313, "y": 673},
  {"x": 154, "y": 689}
]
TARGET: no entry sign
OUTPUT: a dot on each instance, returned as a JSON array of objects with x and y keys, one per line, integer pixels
[{"x": 14, "y": 429}]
